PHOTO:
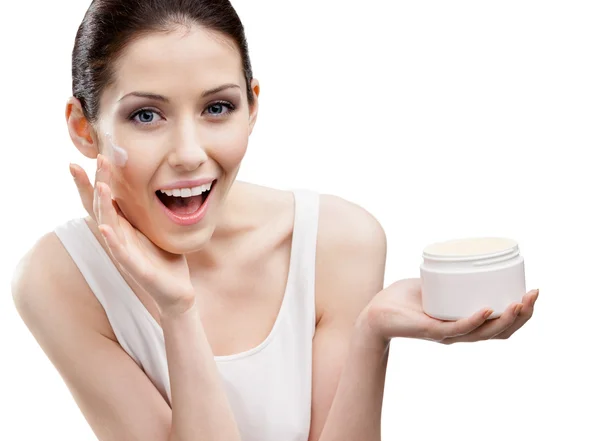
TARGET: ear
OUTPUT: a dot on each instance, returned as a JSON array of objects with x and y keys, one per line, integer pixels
[
  {"x": 81, "y": 131},
  {"x": 254, "y": 108}
]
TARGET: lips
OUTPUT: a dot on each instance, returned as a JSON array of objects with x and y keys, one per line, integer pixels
[{"x": 185, "y": 210}]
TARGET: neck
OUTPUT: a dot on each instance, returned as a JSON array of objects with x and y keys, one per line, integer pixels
[{"x": 235, "y": 219}]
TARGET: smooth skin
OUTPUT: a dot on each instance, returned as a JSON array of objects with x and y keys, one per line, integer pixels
[{"x": 185, "y": 278}]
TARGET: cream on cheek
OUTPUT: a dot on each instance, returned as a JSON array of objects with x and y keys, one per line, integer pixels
[
  {"x": 125, "y": 181},
  {"x": 117, "y": 155}
]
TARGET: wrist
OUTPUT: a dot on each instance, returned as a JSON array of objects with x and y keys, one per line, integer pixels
[
  {"x": 184, "y": 306},
  {"x": 366, "y": 335}
]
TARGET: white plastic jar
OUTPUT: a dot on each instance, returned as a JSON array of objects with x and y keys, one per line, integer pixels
[{"x": 460, "y": 277}]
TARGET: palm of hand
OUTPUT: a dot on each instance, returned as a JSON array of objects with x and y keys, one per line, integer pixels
[
  {"x": 400, "y": 312},
  {"x": 155, "y": 267},
  {"x": 163, "y": 275},
  {"x": 397, "y": 312}
]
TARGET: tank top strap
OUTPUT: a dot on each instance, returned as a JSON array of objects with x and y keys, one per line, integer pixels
[
  {"x": 303, "y": 258},
  {"x": 101, "y": 275},
  {"x": 136, "y": 330}
]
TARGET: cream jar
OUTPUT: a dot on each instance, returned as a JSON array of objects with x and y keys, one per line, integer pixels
[{"x": 461, "y": 277}]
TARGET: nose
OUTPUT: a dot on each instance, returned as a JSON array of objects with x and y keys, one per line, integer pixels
[{"x": 189, "y": 152}]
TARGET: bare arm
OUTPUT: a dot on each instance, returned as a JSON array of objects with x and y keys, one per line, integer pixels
[
  {"x": 200, "y": 407},
  {"x": 355, "y": 413},
  {"x": 350, "y": 358},
  {"x": 348, "y": 368},
  {"x": 115, "y": 396}
]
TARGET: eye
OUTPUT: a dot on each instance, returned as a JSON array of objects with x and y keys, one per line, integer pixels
[
  {"x": 146, "y": 117},
  {"x": 220, "y": 108}
]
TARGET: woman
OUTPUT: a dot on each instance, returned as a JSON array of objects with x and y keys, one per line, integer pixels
[{"x": 190, "y": 305}]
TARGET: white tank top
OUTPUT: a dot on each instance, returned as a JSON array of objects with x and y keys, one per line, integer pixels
[{"x": 268, "y": 386}]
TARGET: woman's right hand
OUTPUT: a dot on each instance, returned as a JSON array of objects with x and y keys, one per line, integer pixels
[{"x": 163, "y": 275}]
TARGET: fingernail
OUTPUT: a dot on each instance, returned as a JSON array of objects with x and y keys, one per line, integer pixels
[
  {"x": 518, "y": 309},
  {"x": 488, "y": 313},
  {"x": 72, "y": 170},
  {"x": 100, "y": 161}
]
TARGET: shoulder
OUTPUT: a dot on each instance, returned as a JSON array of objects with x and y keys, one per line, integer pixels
[
  {"x": 351, "y": 246},
  {"x": 111, "y": 390},
  {"x": 47, "y": 288},
  {"x": 346, "y": 226},
  {"x": 41, "y": 266},
  {"x": 351, "y": 255},
  {"x": 348, "y": 234}
]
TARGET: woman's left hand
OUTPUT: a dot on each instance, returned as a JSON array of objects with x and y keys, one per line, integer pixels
[{"x": 397, "y": 311}]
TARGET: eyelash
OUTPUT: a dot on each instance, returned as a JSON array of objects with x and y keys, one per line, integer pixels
[{"x": 226, "y": 104}]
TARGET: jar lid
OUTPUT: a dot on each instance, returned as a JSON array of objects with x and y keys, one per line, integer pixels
[{"x": 467, "y": 248}]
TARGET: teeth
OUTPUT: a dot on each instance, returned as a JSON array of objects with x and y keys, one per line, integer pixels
[{"x": 188, "y": 192}]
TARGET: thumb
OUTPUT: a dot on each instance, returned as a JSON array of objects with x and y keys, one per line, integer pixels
[{"x": 84, "y": 187}]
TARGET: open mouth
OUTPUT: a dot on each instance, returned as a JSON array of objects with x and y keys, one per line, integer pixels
[{"x": 184, "y": 205}]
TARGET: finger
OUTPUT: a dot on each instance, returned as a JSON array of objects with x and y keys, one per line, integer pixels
[
  {"x": 492, "y": 327},
  {"x": 103, "y": 174},
  {"x": 95, "y": 199},
  {"x": 103, "y": 170},
  {"x": 107, "y": 213},
  {"x": 84, "y": 187},
  {"x": 530, "y": 298},
  {"x": 445, "y": 330},
  {"x": 126, "y": 258},
  {"x": 526, "y": 313},
  {"x": 116, "y": 248}
]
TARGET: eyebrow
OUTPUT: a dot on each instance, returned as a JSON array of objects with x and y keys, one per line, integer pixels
[{"x": 164, "y": 99}]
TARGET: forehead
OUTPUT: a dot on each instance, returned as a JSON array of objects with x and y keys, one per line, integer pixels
[{"x": 191, "y": 57}]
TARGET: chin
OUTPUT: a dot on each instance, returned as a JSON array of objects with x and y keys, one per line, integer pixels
[{"x": 184, "y": 243}]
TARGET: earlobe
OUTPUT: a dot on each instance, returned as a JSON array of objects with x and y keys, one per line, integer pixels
[
  {"x": 254, "y": 109},
  {"x": 81, "y": 131}
]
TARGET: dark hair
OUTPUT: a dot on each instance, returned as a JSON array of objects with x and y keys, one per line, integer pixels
[{"x": 110, "y": 25}]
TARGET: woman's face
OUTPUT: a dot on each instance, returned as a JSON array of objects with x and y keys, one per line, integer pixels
[{"x": 178, "y": 108}]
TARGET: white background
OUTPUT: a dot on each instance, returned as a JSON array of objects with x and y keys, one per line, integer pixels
[{"x": 442, "y": 118}]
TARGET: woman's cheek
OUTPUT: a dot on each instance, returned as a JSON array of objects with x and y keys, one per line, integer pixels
[
  {"x": 230, "y": 147},
  {"x": 130, "y": 186}
]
